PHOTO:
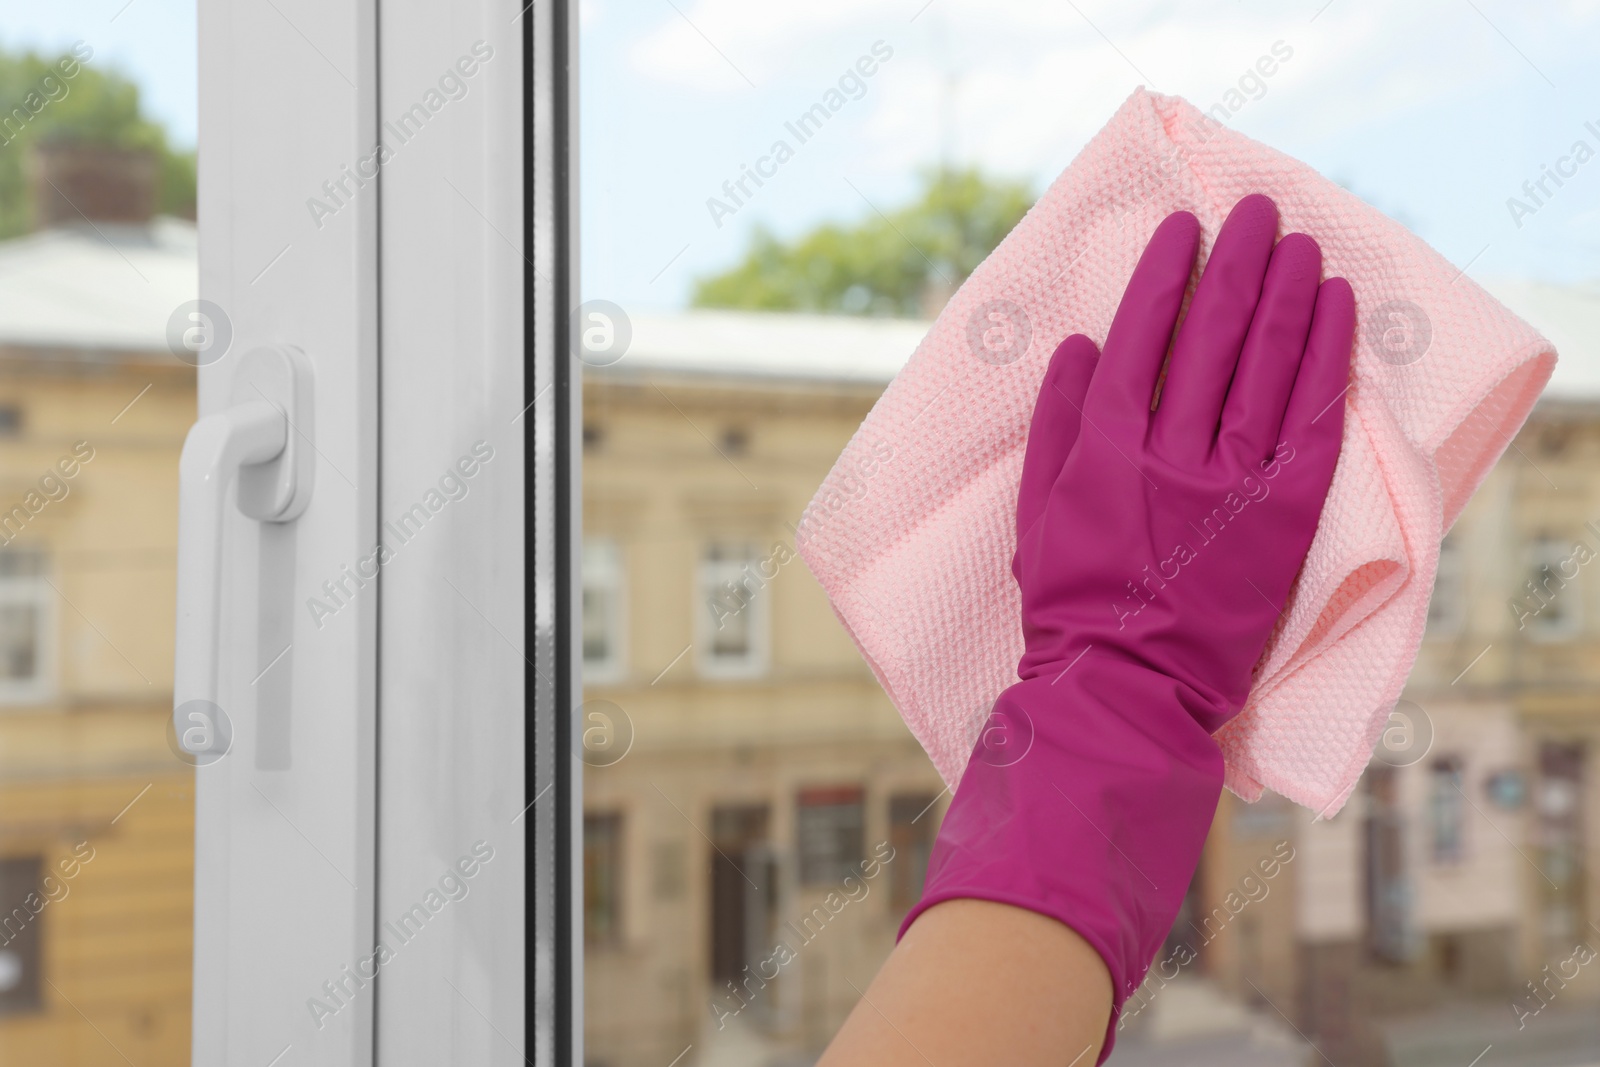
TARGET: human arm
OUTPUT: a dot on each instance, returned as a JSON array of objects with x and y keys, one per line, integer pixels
[{"x": 1157, "y": 547}]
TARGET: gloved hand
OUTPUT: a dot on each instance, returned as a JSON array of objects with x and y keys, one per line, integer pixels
[{"x": 1155, "y": 551}]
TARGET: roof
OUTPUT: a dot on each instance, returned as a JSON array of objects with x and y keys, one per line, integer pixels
[
  {"x": 746, "y": 344},
  {"x": 114, "y": 288},
  {"x": 1569, "y": 315},
  {"x": 770, "y": 345},
  {"x": 96, "y": 287}
]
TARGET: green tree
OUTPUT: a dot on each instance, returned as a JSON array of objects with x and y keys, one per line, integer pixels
[
  {"x": 905, "y": 263},
  {"x": 40, "y": 100}
]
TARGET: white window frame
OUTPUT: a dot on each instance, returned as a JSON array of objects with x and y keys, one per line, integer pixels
[
  {"x": 605, "y": 573},
  {"x": 1447, "y": 609},
  {"x": 439, "y": 710},
  {"x": 1545, "y": 627},
  {"x": 711, "y": 577},
  {"x": 285, "y": 843},
  {"x": 33, "y": 590}
]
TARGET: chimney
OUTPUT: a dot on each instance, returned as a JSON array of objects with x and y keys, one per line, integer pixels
[{"x": 74, "y": 179}]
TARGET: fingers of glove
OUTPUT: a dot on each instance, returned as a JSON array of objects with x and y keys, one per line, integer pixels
[
  {"x": 1313, "y": 423},
  {"x": 1270, "y": 361},
  {"x": 1125, "y": 378},
  {"x": 1056, "y": 415},
  {"x": 1214, "y": 329}
]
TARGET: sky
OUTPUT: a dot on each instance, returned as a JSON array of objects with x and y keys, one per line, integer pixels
[
  {"x": 1436, "y": 111},
  {"x": 150, "y": 41}
]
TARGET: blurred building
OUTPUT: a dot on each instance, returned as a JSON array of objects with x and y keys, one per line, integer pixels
[
  {"x": 748, "y": 780},
  {"x": 736, "y": 772},
  {"x": 1455, "y": 896},
  {"x": 96, "y": 812}
]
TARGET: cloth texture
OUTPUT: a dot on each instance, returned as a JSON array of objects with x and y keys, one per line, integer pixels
[{"x": 911, "y": 534}]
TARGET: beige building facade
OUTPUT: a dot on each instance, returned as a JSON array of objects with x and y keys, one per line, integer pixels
[
  {"x": 757, "y": 817},
  {"x": 96, "y": 810}
]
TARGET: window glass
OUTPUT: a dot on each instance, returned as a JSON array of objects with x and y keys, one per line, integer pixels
[
  {"x": 1550, "y": 605},
  {"x": 22, "y": 932},
  {"x": 829, "y": 833},
  {"x": 1447, "y": 610},
  {"x": 604, "y": 603},
  {"x": 1446, "y": 810},
  {"x": 25, "y": 630},
  {"x": 733, "y": 615},
  {"x": 912, "y": 822},
  {"x": 602, "y": 877},
  {"x": 1562, "y": 830},
  {"x": 777, "y": 202},
  {"x": 1391, "y": 933}
]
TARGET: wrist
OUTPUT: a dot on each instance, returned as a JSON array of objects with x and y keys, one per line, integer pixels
[
  {"x": 1087, "y": 799},
  {"x": 1111, "y": 672}
]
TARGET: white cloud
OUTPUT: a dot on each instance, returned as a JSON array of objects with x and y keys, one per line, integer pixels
[
  {"x": 1017, "y": 87},
  {"x": 714, "y": 45},
  {"x": 1012, "y": 81}
]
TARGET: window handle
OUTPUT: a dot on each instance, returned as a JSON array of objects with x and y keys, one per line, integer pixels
[{"x": 259, "y": 442}]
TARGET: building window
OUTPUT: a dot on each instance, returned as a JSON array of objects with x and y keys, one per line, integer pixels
[
  {"x": 912, "y": 826},
  {"x": 744, "y": 890},
  {"x": 829, "y": 830},
  {"x": 25, "y": 627},
  {"x": 732, "y": 612},
  {"x": 1447, "y": 610},
  {"x": 1447, "y": 820},
  {"x": 1392, "y": 934},
  {"x": 1548, "y": 603},
  {"x": 603, "y": 611},
  {"x": 1559, "y": 803},
  {"x": 602, "y": 878},
  {"x": 20, "y": 879}
]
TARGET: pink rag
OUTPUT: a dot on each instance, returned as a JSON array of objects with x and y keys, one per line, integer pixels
[{"x": 911, "y": 534}]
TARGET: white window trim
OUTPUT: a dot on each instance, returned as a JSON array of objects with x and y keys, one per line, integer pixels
[
  {"x": 603, "y": 565},
  {"x": 710, "y": 576},
  {"x": 43, "y": 687},
  {"x": 1545, "y": 628},
  {"x": 459, "y": 288},
  {"x": 1449, "y": 590},
  {"x": 275, "y": 919}
]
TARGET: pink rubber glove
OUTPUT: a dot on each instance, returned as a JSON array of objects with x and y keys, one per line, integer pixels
[{"x": 1155, "y": 552}]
